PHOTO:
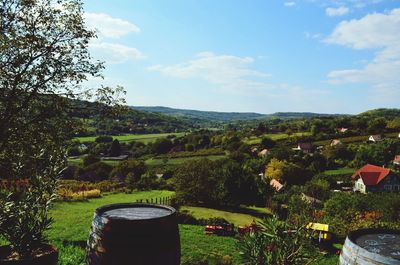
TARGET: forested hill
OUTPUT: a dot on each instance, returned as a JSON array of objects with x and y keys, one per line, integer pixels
[
  {"x": 228, "y": 116},
  {"x": 131, "y": 121},
  {"x": 386, "y": 113},
  {"x": 202, "y": 115}
]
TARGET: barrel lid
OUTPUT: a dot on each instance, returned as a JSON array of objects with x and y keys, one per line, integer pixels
[
  {"x": 134, "y": 211},
  {"x": 384, "y": 242}
]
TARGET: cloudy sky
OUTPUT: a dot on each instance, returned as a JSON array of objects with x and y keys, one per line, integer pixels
[{"x": 330, "y": 56}]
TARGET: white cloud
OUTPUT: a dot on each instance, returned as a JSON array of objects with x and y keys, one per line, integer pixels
[
  {"x": 227, "y": 71},
  {"x": 333, "y": 12},
  {"x": 115, "y": 53},
  {"x": 109, "y": 29},
  {"x": 108, "y": 26},
  {"x": 374, "y": 31},
  {"x": 289, "y": 4}
]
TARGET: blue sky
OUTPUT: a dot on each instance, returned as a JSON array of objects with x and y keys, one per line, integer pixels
[{"x": 330, "y": 56}]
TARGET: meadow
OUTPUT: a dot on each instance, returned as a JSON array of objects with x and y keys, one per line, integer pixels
[
  {"x": 144, "y": 138},
  {"x": 72, "y": 221}
]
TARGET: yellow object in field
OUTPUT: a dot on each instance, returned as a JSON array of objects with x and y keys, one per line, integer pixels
[{"x": 323, "y": 229}]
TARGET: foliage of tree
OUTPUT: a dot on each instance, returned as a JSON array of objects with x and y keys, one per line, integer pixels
[
  {"x": 134, "y": 167},
  {"x": 267, "y": 143},
  {"x": 275, "y": 169},
  {"x": 90, "y": 159},
  {"x": 44, "y": 58},
  {"x": 115, "y": 149},
  {"x": 94, "y": 172}
]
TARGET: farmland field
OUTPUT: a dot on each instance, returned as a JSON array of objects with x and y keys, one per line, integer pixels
[
  {"x": 274, "y": 136},
  {"x": 145, "y": 138}
]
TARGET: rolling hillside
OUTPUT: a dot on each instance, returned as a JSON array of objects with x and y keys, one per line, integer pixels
[{"x": 227, "y": 116}]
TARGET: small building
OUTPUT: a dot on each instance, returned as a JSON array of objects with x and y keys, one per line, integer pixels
[
  {"x": 276, "y": 185},
  {"x": 375, "y": 138},
  {"x": 336, "y": 142},
  {"x": 371, "y": 178},
  {"x": 263, "y": 153},
  {"x": 306, "y": 147},
  {"x": 396, "y": 160},
  {"x": 343, "y": 130}
]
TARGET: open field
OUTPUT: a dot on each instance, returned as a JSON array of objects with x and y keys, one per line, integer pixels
[
  {"x": 145, "y": 138},
  {"x": 274, "y": 136}
]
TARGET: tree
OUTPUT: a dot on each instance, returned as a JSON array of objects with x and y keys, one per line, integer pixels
[
  {"x": 377, "y": 125},
  {"x": 90, "y": 159},
  {"x": 134, "y": 167},
  {"x": 267, "y": 142},
  {"x": 115, "y": 149},
  {"x": 44, "y": 58},
  {"x": 196, "y": 182},
  {"x": 275, "y": 169}
]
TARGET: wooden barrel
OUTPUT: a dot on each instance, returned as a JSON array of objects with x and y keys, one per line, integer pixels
[
  {"x": 134, "y": 233},
  {"x": 371, "y": 247}
]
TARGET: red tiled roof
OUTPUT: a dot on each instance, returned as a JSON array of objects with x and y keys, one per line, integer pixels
[{"x": 370, "y": 174}]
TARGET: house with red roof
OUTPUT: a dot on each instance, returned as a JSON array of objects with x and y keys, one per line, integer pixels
[{"x": 371, "y": 178}]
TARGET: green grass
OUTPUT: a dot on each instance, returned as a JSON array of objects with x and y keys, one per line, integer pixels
[
  {"x": 274, "y": 136},
  {"x": 232, "y": 217},
  {"x": 152, "y": 161},
  {"x": 177, "y": 161},
  {"x": 145, "y": 138},
  {"x": 72, "y": 222},
  {"x": 340, "y": 171}
]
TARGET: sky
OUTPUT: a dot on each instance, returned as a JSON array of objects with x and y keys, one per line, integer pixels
[{"x": 325, "y": 56}]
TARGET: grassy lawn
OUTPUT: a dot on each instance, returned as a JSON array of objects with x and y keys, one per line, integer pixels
[
  {"x": 274, "y": 136},
  {"x": 232, "y": 217},
  {"x": 145, "y": 138},
  {"x": 72, "y": 222},
  {"x": 340, "y": 171}
]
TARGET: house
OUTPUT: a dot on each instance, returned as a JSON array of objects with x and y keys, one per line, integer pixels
[
  {"x": 343, "y": 130},
  {"x": 396, "y": 160},
  {"x": 372, "y": 178},
  {"x": 306, "y": 147},
  {"x": 375, "y": 138},
  {"x": 83, "y": 147},
  {"x": 336, "y": 142},
  {"x": 263, "y": 153},
  {"x": 276, "y": 185}
]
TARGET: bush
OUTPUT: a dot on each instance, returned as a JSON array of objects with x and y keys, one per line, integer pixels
[
  {"x": 104, "y": 139},
  {"x": 90, "y": 159}
]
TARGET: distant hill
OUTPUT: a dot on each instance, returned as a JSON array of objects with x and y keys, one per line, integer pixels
[
  {"x": 382, "y": 112},
  {"x": 227, "y": 116},
  {"x": 203, "y": 115}
]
